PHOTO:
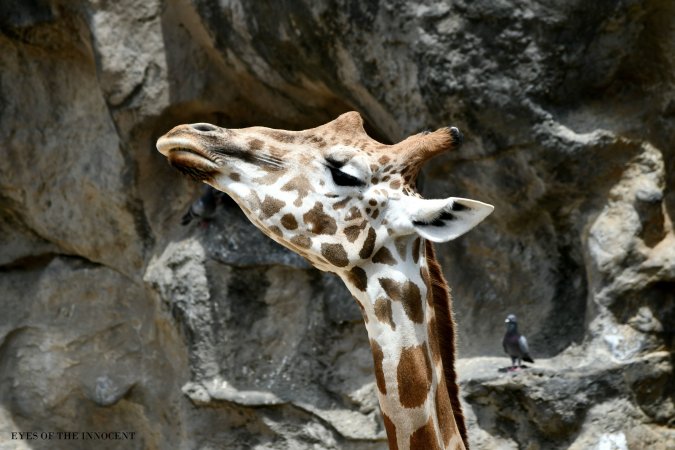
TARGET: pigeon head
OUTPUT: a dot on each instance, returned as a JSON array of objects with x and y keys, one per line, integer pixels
[{"x": 511, "y": 322}]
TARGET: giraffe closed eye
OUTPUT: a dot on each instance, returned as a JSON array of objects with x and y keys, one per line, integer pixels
[{"x": 341, "y": 178}]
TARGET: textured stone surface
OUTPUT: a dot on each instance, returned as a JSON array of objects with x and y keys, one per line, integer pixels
[
  {"x": 78, "y": 346},
  {"x": 212, "y": 336},
  {"x": 582, "y": 407}
]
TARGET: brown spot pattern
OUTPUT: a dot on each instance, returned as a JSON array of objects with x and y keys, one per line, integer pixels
[
  {"x": 384, "y": 159},
  {"x": 276, "y": 230},
  {"x": 368, "y": 244},
  {"x": 416, "y": 250},
  {"x": 288, "y": 221},
  {"x": 319, "y": 222},
  {"x": 412, "y": 301},
  {"x": 277, "y": 152},
  {"x": 318, "y": 141},
  {"x": 300, "y": 184},
  {"x": 424, "y": 273},
  {"x": 357, "y": 276},
  {"x": 414, "y": 376},
  {"x": 301, "y": 241},
  {"x": 354, "y": 231},
  {"x": 409, "y": 294},
  {"x": 270, "y": 178},
  {"x": 234, "y": 176},
  {"x": 444, "y": 412},
  {"x": 384, "y": 256},
  {"x": 342, "y": 203},
  {"x": 255, "y": 144},
  {"x": 391, "y": 432},
  {"x": 270, "y": 206},
  {"x": 395, "y": 184},
  {"x": 383, "y": 312},
  {"x": 391, "y": 287},
  {"x": 424, "y": 438},
  {"x": 401, "y": 246},
  {"x": 378, "y": 357},
  {"x": 335, "y": 254},
  {"x": 253, "y": 201},
  {"x": 353, "y": 214},
  {"x": 280, "y": 136}
]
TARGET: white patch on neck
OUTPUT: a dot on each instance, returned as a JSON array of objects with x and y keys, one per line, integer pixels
[{"x": 234, "y": 189}]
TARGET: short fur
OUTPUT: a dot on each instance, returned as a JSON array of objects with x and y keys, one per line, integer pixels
[{"x": 442, "y": 304}]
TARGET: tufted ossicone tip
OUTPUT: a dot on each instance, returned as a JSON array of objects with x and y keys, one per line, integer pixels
[{"x": 457, "y": 137}]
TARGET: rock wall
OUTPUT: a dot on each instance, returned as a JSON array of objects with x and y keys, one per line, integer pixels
[{"x": 116, "y": 317}]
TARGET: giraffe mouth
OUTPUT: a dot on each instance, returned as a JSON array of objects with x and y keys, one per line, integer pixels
[
  {"x": 189, "y": 159},
  {"x": 192, "y": 164}
]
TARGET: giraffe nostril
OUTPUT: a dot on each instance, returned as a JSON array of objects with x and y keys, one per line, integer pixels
[{"x": 203, "y": 127}]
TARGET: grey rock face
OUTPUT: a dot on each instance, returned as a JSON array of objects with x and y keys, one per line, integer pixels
[{"x": 115, "y": 317}]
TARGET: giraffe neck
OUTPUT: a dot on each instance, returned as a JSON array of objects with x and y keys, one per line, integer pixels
[{"x": 402, "y": 321}]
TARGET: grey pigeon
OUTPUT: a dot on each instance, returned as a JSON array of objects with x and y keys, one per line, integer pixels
[
  {"x": 204, "y": 207},
  {"x": 514, "y": 344}
]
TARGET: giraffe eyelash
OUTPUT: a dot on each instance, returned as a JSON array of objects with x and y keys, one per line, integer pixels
[
  {"x": 335, "y": 163},
  {"x": 341, "y": 178}
]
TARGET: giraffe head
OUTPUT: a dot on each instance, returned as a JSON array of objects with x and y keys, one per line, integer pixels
[{"x": 331, "y": 193}]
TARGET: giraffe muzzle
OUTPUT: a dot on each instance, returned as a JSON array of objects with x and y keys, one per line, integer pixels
[{"x": 184, "y": 150}]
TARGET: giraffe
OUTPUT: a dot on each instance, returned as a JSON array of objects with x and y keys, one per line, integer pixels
[{"x": 348, "y": 204}]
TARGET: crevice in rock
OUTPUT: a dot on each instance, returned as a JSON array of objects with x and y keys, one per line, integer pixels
[
  {"x": 652, "y": 220},
  {"x": 650, "y": 310},
  {"x": 31, "y": 262}
]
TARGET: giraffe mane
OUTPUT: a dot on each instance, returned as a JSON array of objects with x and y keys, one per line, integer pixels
[{"x": 445, "y": 334}]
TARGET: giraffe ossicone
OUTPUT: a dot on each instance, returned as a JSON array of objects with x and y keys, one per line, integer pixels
[{"x": 348, "y": 204}]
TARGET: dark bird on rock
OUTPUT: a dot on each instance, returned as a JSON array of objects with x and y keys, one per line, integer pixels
[
  {"x": 204, "y": 207},
  {"x": 514, "y": 344}
]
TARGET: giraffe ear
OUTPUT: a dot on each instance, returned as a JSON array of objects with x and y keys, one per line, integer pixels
[{"x": 447, "y": 219}]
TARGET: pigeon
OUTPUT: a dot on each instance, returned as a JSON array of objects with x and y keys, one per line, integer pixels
[
  {"x": 514, "y": 344},
  {"x": 204, "y": 207}
]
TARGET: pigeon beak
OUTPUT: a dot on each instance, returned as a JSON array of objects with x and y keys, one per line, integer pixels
[{"x": 507, "y": 321}]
